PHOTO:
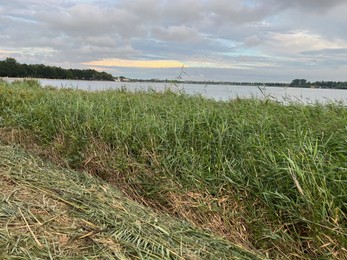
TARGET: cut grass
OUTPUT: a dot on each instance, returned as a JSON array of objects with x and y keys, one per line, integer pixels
[
  {"x": 263, "y": 175},
  {"x": 47, "y": 212}
]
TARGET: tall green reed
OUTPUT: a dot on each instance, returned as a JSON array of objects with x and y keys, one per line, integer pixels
[{"x": 285, "y": 164}]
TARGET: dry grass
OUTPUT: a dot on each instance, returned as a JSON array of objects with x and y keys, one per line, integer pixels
[
  {"x": 191, "y": 205},
  {"x": 50, "y": 213},
  {"x": 195, "y": 207},
  {"x": 32, "y": 220}
]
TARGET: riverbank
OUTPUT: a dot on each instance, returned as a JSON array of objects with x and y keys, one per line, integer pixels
[
  {"x": 52, "y": 213},
  {"x": 262, "y": 175}
]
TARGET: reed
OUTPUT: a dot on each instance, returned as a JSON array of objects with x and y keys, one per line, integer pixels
[{"x": 266, "y": 176}]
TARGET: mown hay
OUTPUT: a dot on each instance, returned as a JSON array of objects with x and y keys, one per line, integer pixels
[{"x": 51, "y": 213}]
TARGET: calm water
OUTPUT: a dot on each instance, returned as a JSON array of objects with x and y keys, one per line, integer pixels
[{"x": 217, "y": 92}]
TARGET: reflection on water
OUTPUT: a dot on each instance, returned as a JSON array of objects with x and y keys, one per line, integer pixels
[{"x": 217, "y": 92}]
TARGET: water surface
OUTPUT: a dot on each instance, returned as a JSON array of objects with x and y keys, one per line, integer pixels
[{"x": 217, "y": 92}]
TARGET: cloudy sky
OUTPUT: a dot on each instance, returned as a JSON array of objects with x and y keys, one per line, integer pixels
[{"x": 234, "y": 40}]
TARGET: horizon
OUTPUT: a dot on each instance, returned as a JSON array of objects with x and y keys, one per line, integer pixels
[{"x": 178, "y": 79}]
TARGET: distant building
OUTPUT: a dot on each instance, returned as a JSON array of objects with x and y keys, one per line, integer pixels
[{"x": 121, "y": 79}]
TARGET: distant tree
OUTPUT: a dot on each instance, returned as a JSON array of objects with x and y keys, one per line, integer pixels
[
  {"x": 11, "y": 68},
  {"x": 299, "y": 83},
  {"x": 341, "y": 85},
  {"x": 10, "y": 60}
]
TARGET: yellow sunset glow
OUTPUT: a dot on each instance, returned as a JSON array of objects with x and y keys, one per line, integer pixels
[{"x": 136, "y": 63}]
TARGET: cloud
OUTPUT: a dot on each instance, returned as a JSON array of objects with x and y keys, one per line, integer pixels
[
  {"x": 253, "y": 40},
  {"x": 88, "y": 19},
  {"x": 180, "y": 33},
  {"x": 6, "y": 52},
  {"x": 299, "y": 41},
  {"x": 271, "y": 36},
  {"x": 308, "y": 5},
  {"x": 136, "y": 63}
]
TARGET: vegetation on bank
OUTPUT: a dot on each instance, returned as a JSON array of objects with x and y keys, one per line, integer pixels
[
  {"x": 47, "y": 212},
  {"x": 11, "y": 68},
  {"x": 296, "y": 83},
  {"x": 303, "y": 83},
  {"x": 269, "y": 177}
]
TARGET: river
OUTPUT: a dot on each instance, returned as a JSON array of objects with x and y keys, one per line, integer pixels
[{"x": 217, "y": 92}]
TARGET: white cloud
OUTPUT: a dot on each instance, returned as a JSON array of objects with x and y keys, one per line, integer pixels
[{"x": 298, "y": 41}]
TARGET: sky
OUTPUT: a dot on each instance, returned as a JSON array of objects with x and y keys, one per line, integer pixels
[{"x": 218, "y": 40}]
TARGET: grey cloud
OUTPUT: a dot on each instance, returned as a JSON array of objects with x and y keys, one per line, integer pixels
[
  {"x": 327, "y": 52},
  {"x": 180, "y": 33},
  {"x": 253, "y": 40},
  {"x": 334, "y": 57},
  {"x": 316, "y": 5},
  {"x": 86, "y": 19},
  {"x": 225, "y": 31},
  {"x": 178, "y": 12},
  {"x": 237, "y": 12}
]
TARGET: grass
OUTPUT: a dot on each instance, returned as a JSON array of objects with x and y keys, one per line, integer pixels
[
  {"x": 47, "y": 212},
  {"x": 267, "y": 177}
]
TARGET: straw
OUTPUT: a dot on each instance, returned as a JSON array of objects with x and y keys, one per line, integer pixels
[{"x": 49, "y": 212}]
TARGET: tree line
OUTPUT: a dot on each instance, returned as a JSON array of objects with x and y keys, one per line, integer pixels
[
  {"x": 296, "y": 83},
  {"x": 209, "y": 82},
  {"x": 11, "y": 68},
  {"x": 303, "y": 83}
]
